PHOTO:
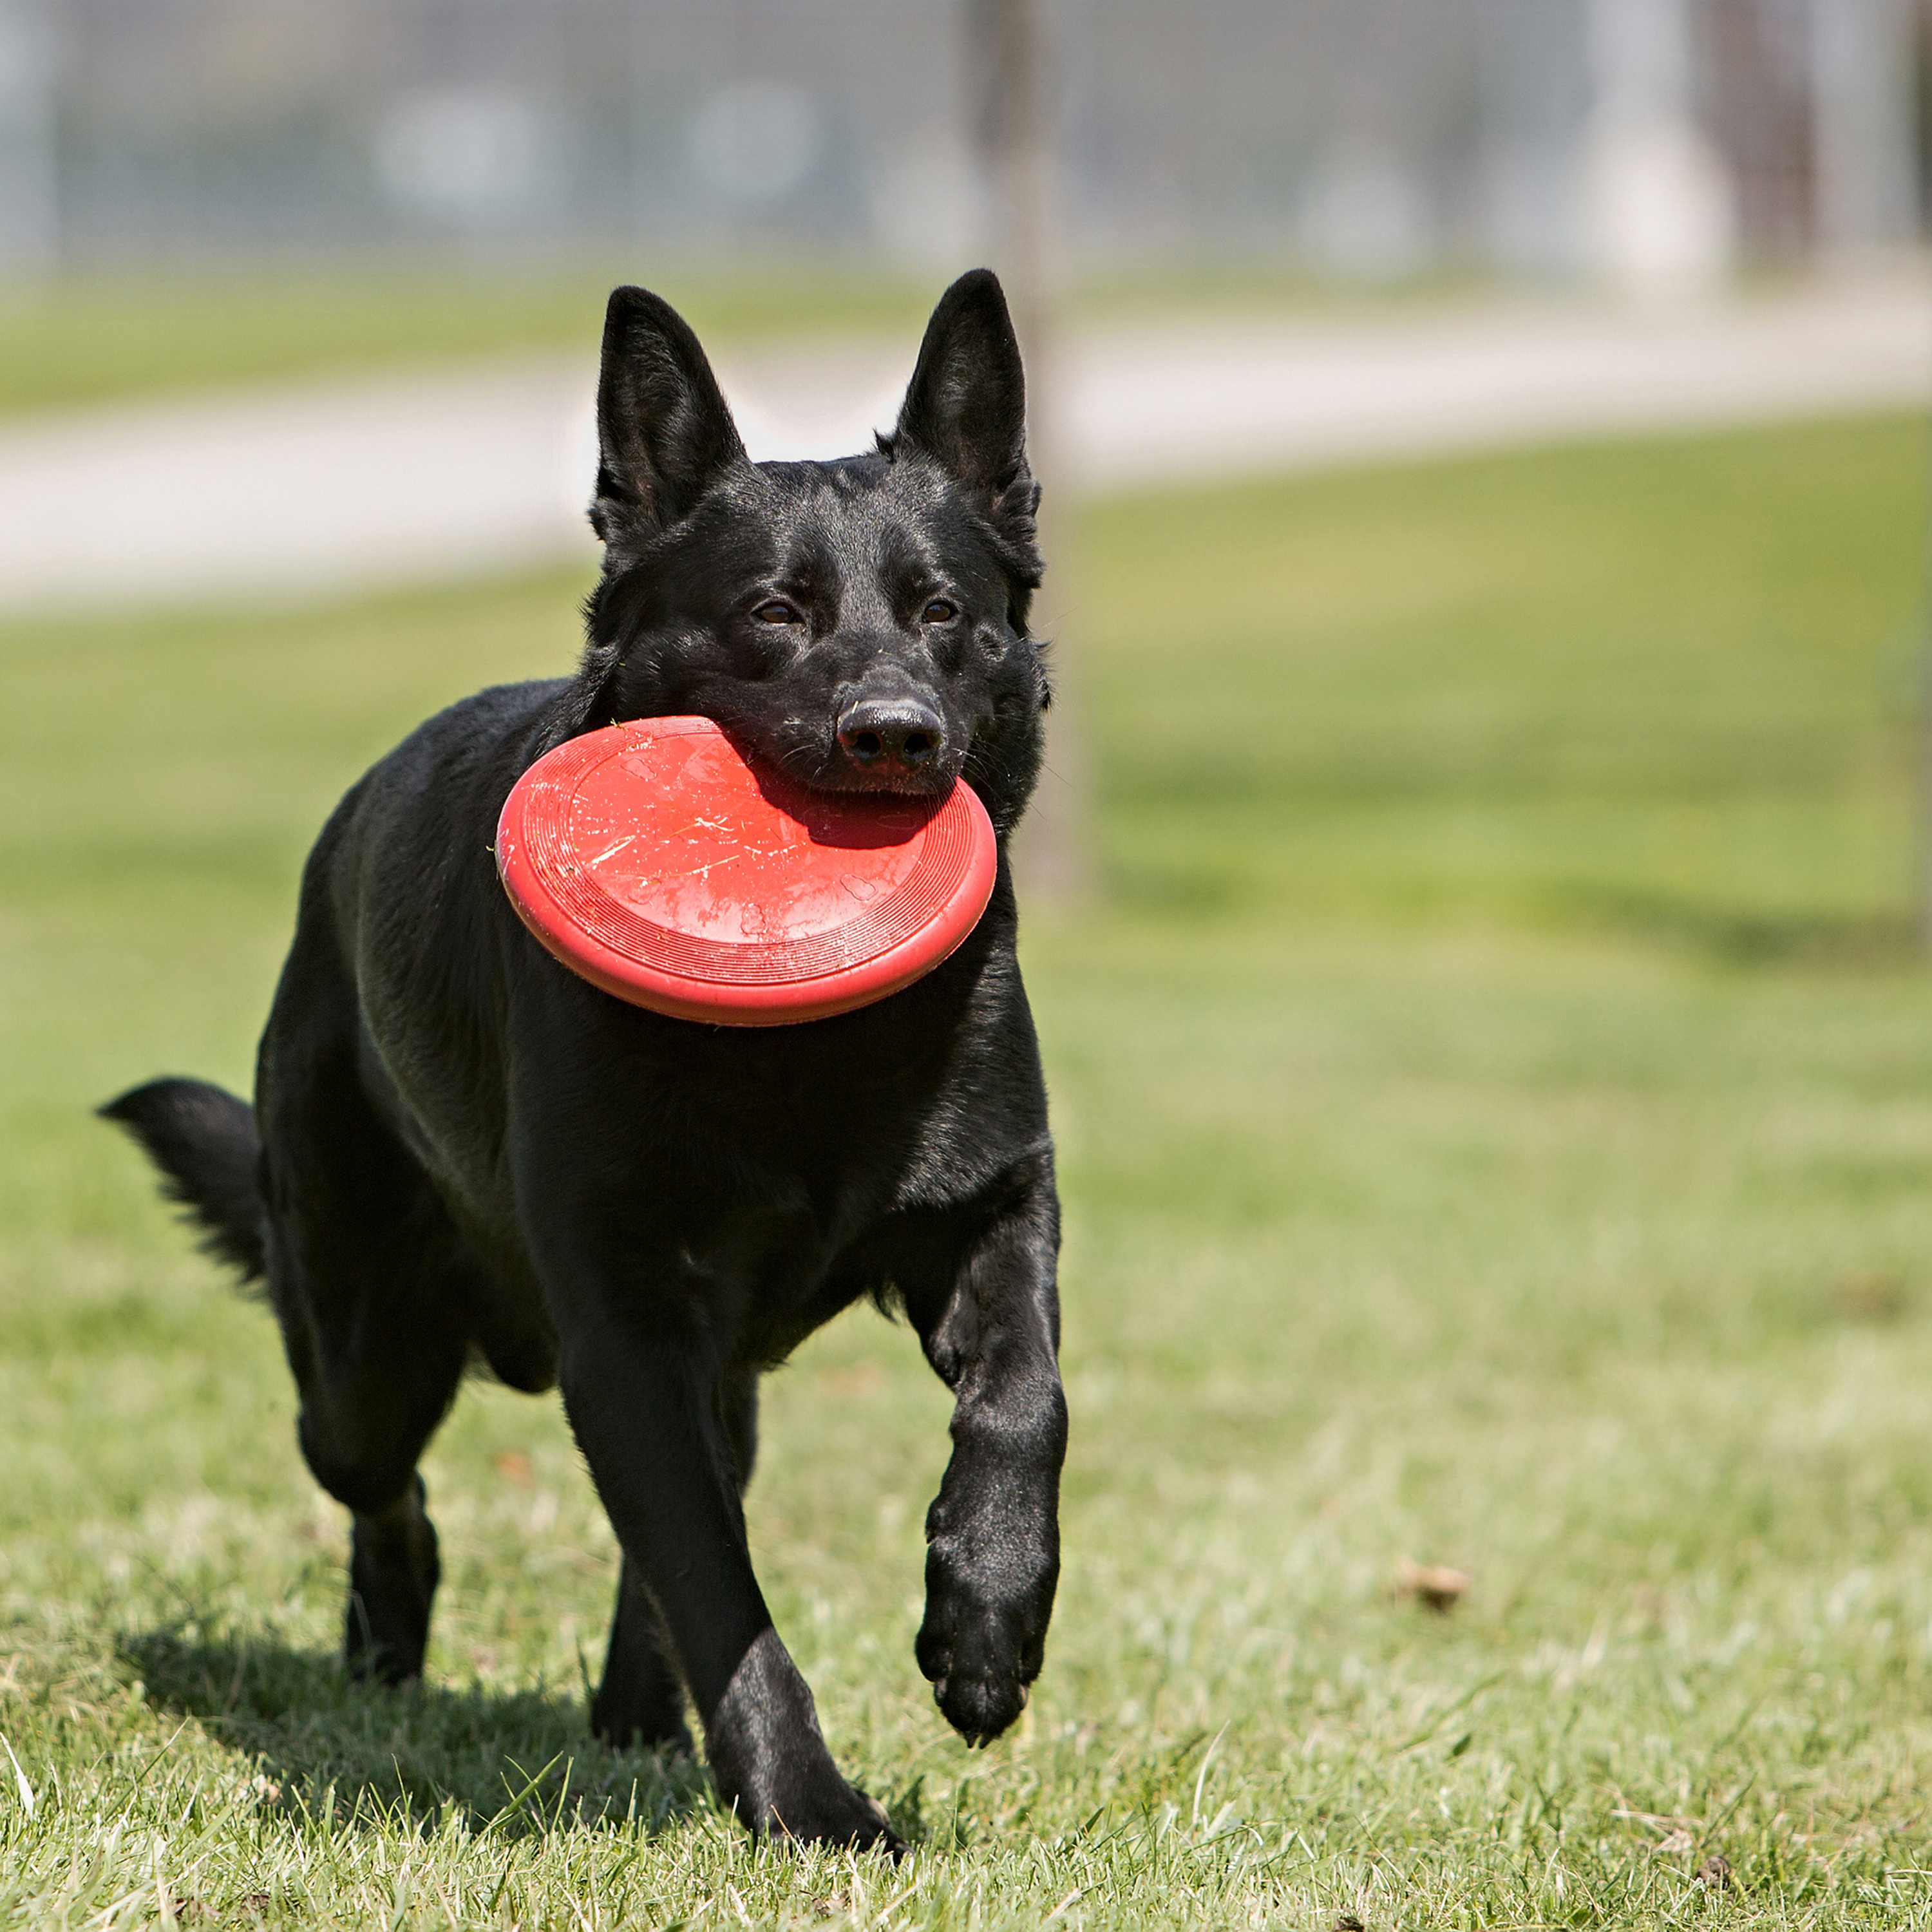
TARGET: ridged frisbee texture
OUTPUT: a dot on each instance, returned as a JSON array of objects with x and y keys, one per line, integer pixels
[{"x": 652, "y": 858}]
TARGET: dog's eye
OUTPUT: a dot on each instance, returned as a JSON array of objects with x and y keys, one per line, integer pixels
[
  {"x": 938, "y": 612},
  {"x": 776, "y": 611}
]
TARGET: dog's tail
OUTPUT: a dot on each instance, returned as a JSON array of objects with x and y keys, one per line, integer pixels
[{"x": 204, "y": 1141}]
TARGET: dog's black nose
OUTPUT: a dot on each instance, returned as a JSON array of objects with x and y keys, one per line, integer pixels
[{"x": 891, "y": 734}]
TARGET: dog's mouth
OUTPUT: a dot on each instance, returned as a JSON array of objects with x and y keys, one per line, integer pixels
[
  {"x": 934, "y": 781},
  {"x": 906, "y": 759}
]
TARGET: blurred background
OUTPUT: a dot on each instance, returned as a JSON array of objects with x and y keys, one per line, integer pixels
[
  {"x": 1476, "y": 910},
  {"x": 1645, "y": 142}
]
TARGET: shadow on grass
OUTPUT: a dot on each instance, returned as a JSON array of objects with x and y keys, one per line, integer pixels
[{"x": 515, "y": 1763}]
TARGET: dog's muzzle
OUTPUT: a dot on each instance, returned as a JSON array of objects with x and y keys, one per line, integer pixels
[{"x": 891, "y": 737}]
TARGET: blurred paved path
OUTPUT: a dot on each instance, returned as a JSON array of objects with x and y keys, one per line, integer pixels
[{"x": 323, "y": 488}]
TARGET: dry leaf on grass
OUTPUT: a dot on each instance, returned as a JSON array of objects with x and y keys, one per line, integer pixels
[{"x": 1434, "y": 1585}]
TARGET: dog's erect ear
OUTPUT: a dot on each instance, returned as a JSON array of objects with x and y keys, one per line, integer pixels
[
  {"x": 664, "y": 433},
  {"x": 966, "y": 405}
]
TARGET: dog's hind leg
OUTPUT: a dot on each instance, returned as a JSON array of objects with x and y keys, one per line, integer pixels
[
  {"x": 640, "y": 1700},
  {"x": 378, "y": 1342},
  {"x": 641, "y": 1697},
  {"x": 372, "y": 1282},
  {"x": 394, "y": 1569}
]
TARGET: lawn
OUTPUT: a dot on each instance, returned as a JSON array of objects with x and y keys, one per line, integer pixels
[
  {"x": 1495, "y": 1090},
  {"x": 98, "y": 338}
]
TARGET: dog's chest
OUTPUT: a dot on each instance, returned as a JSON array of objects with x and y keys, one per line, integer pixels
[{"x": 788, "y": 1213}]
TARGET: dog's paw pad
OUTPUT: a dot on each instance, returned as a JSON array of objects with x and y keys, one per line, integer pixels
[{"x": 979, "y": 1707}]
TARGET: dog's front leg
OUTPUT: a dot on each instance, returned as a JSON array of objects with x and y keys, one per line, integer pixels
[
  {"x": 993, "y": 1532},
  {"x": 643, "y": 1409}
]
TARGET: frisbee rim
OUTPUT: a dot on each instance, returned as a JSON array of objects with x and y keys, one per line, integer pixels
[{"x": 843, "y": 988}]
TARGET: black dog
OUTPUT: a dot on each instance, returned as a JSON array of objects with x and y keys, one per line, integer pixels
[{"x": 460, "y": 1149}]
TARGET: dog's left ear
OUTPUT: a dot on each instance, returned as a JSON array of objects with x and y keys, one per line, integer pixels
[
  {"x": 664, "y": 434},
  {"x": 966, "y": 405}
]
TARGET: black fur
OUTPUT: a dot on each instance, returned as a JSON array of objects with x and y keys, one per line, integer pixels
[{"x": 466, "y": 1150}]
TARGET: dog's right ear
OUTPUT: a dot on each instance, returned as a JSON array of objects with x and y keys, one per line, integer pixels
[{"x": 663, "y": 434}]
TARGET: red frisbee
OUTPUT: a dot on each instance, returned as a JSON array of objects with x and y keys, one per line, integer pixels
[{"x": 653, "y": 859}]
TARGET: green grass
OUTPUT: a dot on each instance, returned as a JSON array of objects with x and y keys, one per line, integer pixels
[
  {"x": 97, "y": 338},
  {"x": 1495, "y": 1097}
]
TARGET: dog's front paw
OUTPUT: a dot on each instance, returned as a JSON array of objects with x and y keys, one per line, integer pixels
[
  {"x": 981, "y": 1649},
  {"x": 771, "y": 1765},
  {"x": 829, "y": 1811}
]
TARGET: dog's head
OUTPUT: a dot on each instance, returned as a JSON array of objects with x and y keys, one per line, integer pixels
[{"x": 860, "y": 624}]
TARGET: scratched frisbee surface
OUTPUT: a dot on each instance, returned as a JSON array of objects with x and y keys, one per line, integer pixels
[{"x": 654, "y": 859}]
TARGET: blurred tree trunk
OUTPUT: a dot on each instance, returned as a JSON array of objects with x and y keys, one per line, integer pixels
[
  {"x": 1923, "y": 894},
  {"x": 1922, "y": 883},
  {"x": 1010, "y": 58}
]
